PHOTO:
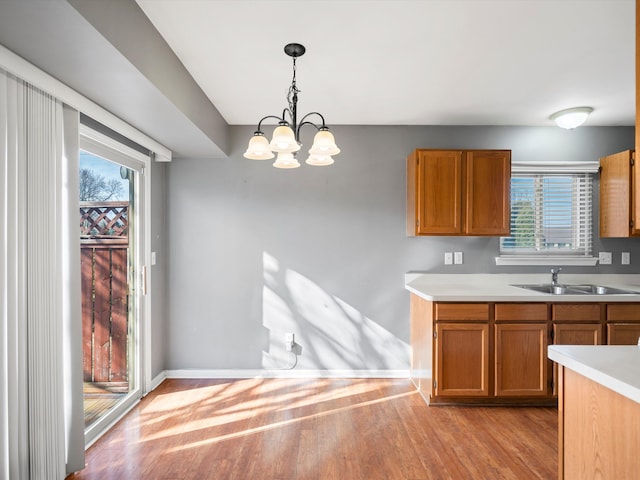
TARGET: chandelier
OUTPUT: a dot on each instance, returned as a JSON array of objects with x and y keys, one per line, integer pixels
[{"x": 286, "y": 136}]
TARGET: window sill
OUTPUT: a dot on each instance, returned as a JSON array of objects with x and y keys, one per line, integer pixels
[{"x": 546, "y": 260}]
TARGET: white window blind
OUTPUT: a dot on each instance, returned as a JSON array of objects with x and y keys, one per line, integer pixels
[{"x": 551, "y": 214}]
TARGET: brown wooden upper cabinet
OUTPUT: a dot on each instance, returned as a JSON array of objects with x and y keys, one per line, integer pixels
[
  {"x": 458, "y": 192},
  {"x": 619, "y": 209}
]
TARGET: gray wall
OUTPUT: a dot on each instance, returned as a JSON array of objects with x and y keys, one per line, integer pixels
[
  {"x": 158, "y": 272},
  {"x": 321, "y": 251}
]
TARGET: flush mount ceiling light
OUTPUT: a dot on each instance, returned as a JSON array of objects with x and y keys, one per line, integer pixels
[
  {"x": 571, "y": 117},
  {"x": 286, "y": 136}
]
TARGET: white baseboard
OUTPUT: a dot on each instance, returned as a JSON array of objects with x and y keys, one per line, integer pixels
[
  {"x": 198, "y": 373},
  {"x": 157, "y": 380}
]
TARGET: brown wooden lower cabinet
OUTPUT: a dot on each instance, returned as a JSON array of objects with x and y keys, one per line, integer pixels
[
  {"x": 623, "y": 333},
  {"x": 521, "y": 359},
  {"x": 462, "y": 359},
  {"x": 623, "y": 324},
  {"x": 577, "y": 333},
  {"x": 496, "y": 352}
]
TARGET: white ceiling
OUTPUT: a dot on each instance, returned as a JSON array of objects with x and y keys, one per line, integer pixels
[{"x": 409, "y": 62}]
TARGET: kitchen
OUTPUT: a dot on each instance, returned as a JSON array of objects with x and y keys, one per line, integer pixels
[{"x": 247, "y": 253}]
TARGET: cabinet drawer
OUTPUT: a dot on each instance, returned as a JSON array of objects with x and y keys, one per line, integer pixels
[
  {"x": 628, "y": 312},
  {"x": 521, "y": 312},
  {"x": 461, "y": 311},
  {"x": 575, "y": 312}
]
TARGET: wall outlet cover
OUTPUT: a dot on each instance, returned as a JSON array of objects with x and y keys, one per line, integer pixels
[
  {"x": 457, "y": 258},
  {"x": 625, "y": 258},
  {"x": 289, "y": 341},
  {"x": 604, "y": 258},
  {"x": 448, "y": 258}
]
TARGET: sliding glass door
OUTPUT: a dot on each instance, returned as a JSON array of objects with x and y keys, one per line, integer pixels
[{"x": 111, "y": 233}]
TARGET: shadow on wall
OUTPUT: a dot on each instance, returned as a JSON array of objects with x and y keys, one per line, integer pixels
[{"x": 329, "y": 333}]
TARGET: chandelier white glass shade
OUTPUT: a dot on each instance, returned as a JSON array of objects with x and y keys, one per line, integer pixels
[
  {"x": 285, "y": 141},
  {"x": 259, "y": 148},
  {"x": 286, "y": 160},
  {"x": 571, "y": 117}
]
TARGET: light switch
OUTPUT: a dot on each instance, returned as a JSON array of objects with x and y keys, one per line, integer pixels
[{"x": 153, "y": 258}]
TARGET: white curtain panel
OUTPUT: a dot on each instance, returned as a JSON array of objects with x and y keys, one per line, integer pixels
[{"x": 41, "y": 412}]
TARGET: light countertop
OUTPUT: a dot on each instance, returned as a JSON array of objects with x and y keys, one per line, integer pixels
[
  {"x": 615, "y": 367},
  {"x": 486, "y": 287}
]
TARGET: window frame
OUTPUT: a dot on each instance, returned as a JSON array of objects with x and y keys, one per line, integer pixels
[{"x": 546, "y": 257}]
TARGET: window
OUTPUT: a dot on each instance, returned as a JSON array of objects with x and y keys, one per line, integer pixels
[{"x": 551, "y": 219}]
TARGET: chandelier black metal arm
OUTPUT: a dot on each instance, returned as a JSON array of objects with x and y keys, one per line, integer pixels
[
  {"x": 296, "y": 128},
  {"x": 259, "y": 130},
  {"x": 303, "y": 122}
]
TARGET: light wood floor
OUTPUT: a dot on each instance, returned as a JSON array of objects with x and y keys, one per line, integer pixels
[{"x": 285, "y": 429}]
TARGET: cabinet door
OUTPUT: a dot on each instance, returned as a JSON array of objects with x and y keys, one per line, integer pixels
[
  {"x": 462, "y": 359},
  {"x": 615, "y": 195},
  {"x": 577, "y": 334},
  {"x": 439, "y": 192},
  {"x": 574, "y": 334},
  {"x": 635, "y": 198},
  {"x": 623, "y": 333},
  {"x": 487, "y": 202},
  {"x": 521, "y": 359}
]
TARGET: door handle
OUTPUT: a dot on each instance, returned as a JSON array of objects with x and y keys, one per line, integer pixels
[{"x": 143, "y": 280}]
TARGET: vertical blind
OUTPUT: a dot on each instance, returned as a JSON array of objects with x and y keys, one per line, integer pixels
[
  {"x": 41, "y": 404},
  {"x": 550, "y": 214}
]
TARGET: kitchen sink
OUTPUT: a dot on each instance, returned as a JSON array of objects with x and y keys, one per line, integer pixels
[
  {"x": 602, "y": 290},
  {"x": 576, "y": 289}
]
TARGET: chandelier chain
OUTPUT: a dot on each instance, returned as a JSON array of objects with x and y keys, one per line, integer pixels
[{"x": 293, "y": 89}]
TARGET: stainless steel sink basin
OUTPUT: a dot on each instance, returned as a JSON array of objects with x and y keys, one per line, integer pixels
[
  {"x": 547, "y": 288},
  {"x": 602, "y": 290},
  {"x": 576, "y": 289}
]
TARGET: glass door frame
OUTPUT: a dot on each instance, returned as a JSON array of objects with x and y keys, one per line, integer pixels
[{"x": 138, "y": 349}]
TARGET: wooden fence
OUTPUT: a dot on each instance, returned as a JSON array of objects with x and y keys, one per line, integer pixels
[{"x": 104, "y": 251}]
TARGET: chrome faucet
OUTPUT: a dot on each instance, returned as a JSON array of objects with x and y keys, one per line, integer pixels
[{"x": 554, "y": 275}]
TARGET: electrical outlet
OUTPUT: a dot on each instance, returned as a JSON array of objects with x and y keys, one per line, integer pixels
[
  {"x": 604, "y": 258},
  {"x": 448, "y": 258},
  {"x": 289, "y": 341},
  {"x": 457, "y": 258},
  {"x": 625, "y": 258}
]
